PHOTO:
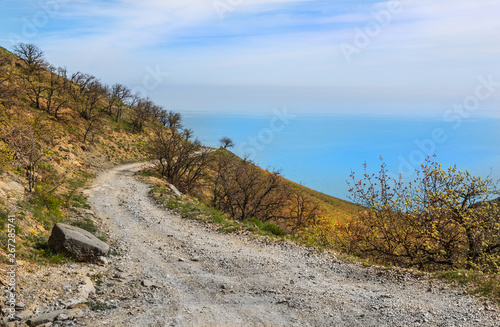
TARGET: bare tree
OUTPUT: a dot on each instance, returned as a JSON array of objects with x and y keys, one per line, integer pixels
[
  {"x": 65, "y": 82},
  {"x": 246, "y": 191},
  {"x": 31, "y": 73},
  {"x": 302, "y": 212},
  {"x": 226, "y": 142},
  {"x": 55, "y": 97},
  {"x": 118, "y": 95},
  {"x": 173, "y": 120},
  {"x": 86, "y": 94},
  {"x": 28, "y": 153},
  {"x": 140, "y": 112},
  {"x": 181, "y": 160},
  {"x": 31, "y": 55}
]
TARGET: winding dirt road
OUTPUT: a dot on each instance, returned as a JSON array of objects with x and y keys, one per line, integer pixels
[{"x": 176, "y": 272}]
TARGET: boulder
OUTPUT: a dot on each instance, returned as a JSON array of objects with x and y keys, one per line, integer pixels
[{"x": 77, "y": 243}]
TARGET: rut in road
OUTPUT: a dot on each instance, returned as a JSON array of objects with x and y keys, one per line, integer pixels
[{"x": 194, "y": 276}]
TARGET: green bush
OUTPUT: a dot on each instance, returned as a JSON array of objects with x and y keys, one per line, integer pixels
[
  {"x": 48, "y": 200},
  {"x": 4, "y": 216},
  {"x": 259, "y": 224},
  {"x": 274, "y": 229}
]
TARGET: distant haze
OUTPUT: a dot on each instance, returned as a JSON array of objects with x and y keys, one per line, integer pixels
[{"x": 389, "y": 57}]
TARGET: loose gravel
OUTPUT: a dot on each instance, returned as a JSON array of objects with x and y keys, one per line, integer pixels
[{"x": 169, "y": 271}]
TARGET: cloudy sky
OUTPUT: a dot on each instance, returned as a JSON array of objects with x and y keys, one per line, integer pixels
[{"x": 404, "y": 57}]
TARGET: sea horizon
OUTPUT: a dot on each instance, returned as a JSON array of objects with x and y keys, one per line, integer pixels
[{"x": 320, "y": 150}]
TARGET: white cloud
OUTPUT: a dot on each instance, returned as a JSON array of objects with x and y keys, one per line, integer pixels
[{"x": 430, "y": 46}]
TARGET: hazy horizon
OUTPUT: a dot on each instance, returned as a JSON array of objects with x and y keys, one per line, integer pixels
[{"x": 394, "y": 57}]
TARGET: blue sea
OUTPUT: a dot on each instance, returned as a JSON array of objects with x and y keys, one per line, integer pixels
[{"x": 320, "y": 151}]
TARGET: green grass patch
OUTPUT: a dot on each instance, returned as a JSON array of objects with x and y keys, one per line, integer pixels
[
  {"x": 477, "y": 283},
  {"x": 38, "y": 250},
  {"x": 86, "y": 224},
  {"x": 43, "y": 214},
  {"x": 78, "y": 201},
  {"x": 99, "y": 306},
  {"x": 97, "y": 279},
  {"x": 274, "y": 229},
  {"x": 263, "y": 228},
  {"x": 4, "y": 217},
  {"x": 73, "y": 198}
]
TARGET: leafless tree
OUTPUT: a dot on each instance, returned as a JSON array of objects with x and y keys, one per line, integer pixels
[
  {"x": 55, "y": 97},
  {"x": 246, "y": 191},
  {"x": 226, "y": 142},
  {"x": 28, "y": 153},
  {"x": 31, "y": 55},
  {"x": 31, "y": 72},
  {"x": 63, "y": 73},
  {"x": 86, "y": 94},
  {"x": 173, "y": 120},
  {"x": 302, "y": 211},
  {"x": 140, "y": 112},
  {"x": 118, "y": 95},
  {"x": 181, "y": 161}
]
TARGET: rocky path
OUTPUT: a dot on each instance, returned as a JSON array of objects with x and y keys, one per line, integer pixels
[{"x": 174, "y": 272}]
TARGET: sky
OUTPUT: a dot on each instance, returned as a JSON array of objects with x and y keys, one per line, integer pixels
[{"x": 405, "y": 57}]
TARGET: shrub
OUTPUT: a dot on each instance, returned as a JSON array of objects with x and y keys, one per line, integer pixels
[
  {"x": 274, "y": 229},
  {"x": 4, "y": 216},
  {"x": 443, "y": 219}
]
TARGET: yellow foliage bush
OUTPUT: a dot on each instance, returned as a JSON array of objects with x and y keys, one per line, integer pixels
[{"x": 442, "y": 219}]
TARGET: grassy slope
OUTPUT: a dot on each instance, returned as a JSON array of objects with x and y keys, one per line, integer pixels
[
  {"x": 74, "y": 163},
  {"x": 67, "y": 161}
]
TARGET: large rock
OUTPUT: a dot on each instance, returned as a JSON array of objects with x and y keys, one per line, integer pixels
[{"x": 77, "y": 243}]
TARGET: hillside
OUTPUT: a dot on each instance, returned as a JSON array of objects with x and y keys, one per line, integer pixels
[
  {"x": 64, "y": 138},
  {"x": 55, "y": 134},
  {"x": 59, "y": 128}
]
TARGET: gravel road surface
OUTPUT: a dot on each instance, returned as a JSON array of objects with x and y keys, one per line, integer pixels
[{"x": 176, "y": 272}]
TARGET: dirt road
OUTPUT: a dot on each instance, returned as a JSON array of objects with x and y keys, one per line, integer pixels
[{"x": 175, "y": 272}]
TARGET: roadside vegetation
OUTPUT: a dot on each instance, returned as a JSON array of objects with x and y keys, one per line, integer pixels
[
  {"x": 445, "y": 221},
  {"x": 57, "y": 127}
]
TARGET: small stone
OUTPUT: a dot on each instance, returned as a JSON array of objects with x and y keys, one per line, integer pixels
[
  {"x": 101, "y": 261},
  {"x": 79, "y": 306},
  {"x": 147, "y": 283},
  {"x": 62, "y": 317},
  {"x": 20, "y": 306},
  {"x": 67, "y": 288}
]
